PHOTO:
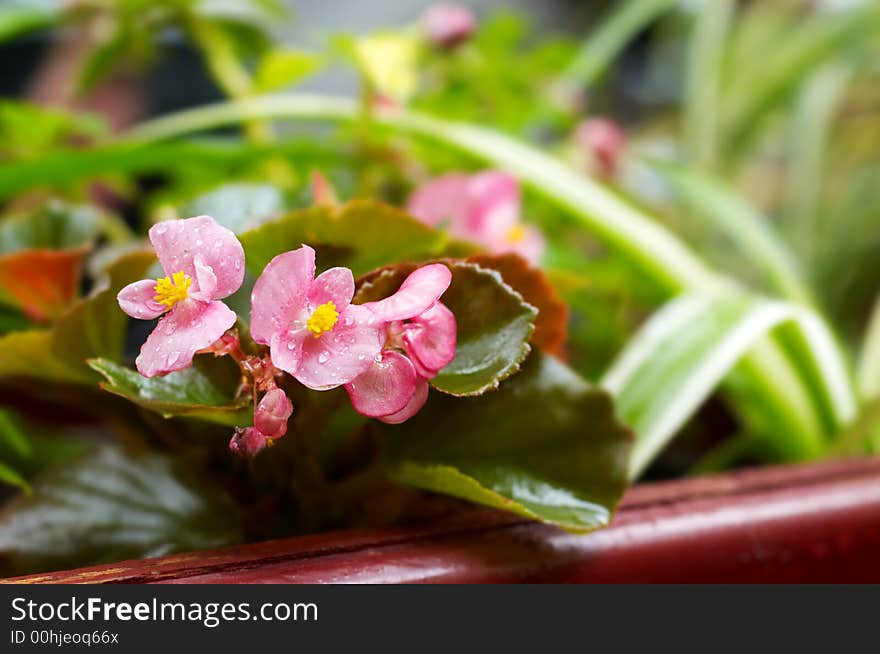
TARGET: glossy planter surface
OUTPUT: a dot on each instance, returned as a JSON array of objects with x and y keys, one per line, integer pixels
[{"x": 807, "y": 523}]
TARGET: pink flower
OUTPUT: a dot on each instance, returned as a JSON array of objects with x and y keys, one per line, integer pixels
[
  {"x": 203, "y": 262},
  {"x": 312, "y": 329},
  {"x": 271, "y": 414},
  {"x": 603, "y": 141},
  {"x": 483, "y": 208},
  {"x": 270, "y": 424},
  {"x": 448, "y": 25},
  {"x": 421, "y": 338},
  {"x": 248, "y": 442}
]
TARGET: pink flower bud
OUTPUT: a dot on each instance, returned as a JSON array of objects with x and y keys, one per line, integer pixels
[
  {"x": 603, "y": 141},
  {"x": 247, "y": 442},
  {"x": 272, "y": 413},
  {"x": 447, "y": 25}
]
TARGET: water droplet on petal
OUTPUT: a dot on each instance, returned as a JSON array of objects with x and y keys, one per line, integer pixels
[
  {"x": 323, "y": 357},
  {"x": 237, "y": 264},
  {"x": 291, "y": 345},
  {"x": 161, "y": 228},
  {"x": 218, "y": 244},
  {"x": 361, "y": 357},
  {"x": 199, "y": 242}
]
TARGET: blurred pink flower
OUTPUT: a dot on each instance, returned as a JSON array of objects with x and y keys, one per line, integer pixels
[
  {"x": 483, "y": 208},
  {"x": 313, "y": 331},
  {"x": 448, "y": 25},
  {"x": 203, "y": 262},
  {"x": 421, "y": 339},
  {"x": 603, "y": 141}
]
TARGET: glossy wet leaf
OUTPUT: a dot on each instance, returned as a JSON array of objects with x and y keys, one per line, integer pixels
[
  {"x": 110, "y": 506},
  {"x": 551, "y": 323},
  {"x": 494, "y": 328},
  {"x": 545, "y": 445},
  {"x": 494, "y": 324},
  {"x": 360, "y": 234},
  {"x": 208, "y": 390}
]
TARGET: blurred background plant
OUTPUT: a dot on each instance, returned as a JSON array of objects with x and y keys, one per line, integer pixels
[{"x": 706, "y": 175}]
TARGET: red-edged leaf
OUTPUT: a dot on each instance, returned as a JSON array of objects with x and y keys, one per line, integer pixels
[
  {"x": 43, "y": 283},
  {"x": 551, "y": 325}
]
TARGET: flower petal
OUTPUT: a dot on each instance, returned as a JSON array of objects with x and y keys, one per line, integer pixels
[
  {"x": 334, "y": 285},
  {"x": 247, "y": 442},
  {"x": 189, "y": 327},
  {"x": 430, "y": 340},
  {"x": 271, "y": 414},
  {"x": 280, "y": 294},
  {"x": 285, "y": 350},
  {"x": 178, "y": 242},
  {"x": 338, "y": 356},
  {"x": 415, "y": 404},
  {"x": 136, "y": 300},
  {"x": 206, "y": 280},
  {"x": 442, "y": 199},
  {"x": 385, "y": 388},
  {"x": 418, "y": 292},
  {"x": 495, "y": 207}
]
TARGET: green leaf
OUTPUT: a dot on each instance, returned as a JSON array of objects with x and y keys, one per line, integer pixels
[
  {"x": 283, "y": 67},
  {"x": 361, "y": 234},
  {"x": 704, "y": 81},
  {"x": 24, "y": 17},
  {"x": 753, "y": 92},
  {"x": 13, "y": 437},
  {"x": 684, "y": 351},
  {"x": 713, "y": 202},
  {"x": 546, "y": 445},
  {"x": 208, "y": 390},
  {"x": 868, "y": 372},
  {"x": 9, "y": 476},
  {"x": 109, "y": 506},
  {"x": 612, "y": 35},
  {"x": 239, "y": 207},
  {"x": 55, "y": 226},
  {"x": 29, "y": 354},
  {"x": 93, "y": 327},
  {"x": 494, "y": 328},
  {"x": 494, "y": 324}
]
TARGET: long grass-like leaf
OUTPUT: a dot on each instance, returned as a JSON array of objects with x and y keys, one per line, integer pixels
[
  {"x": 704, "y": 79},
  {"x": 868, "y": 371},
  {"x": 612, "y": 36},
  {"x": 808, "y": 140},
  {"x": 773, "y": 75},
  {"x": 710, "y": 200},
  {"x": 681, "y": 355}
]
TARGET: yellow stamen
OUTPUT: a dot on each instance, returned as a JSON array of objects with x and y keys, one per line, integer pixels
[
  {"x": 516, "y": 234},
  {"x": 171, "y": 290},
  {"x": 323, "y": 319}
]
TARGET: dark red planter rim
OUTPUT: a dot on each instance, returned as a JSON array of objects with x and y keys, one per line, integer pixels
[{"x": 804, "y": 523}]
